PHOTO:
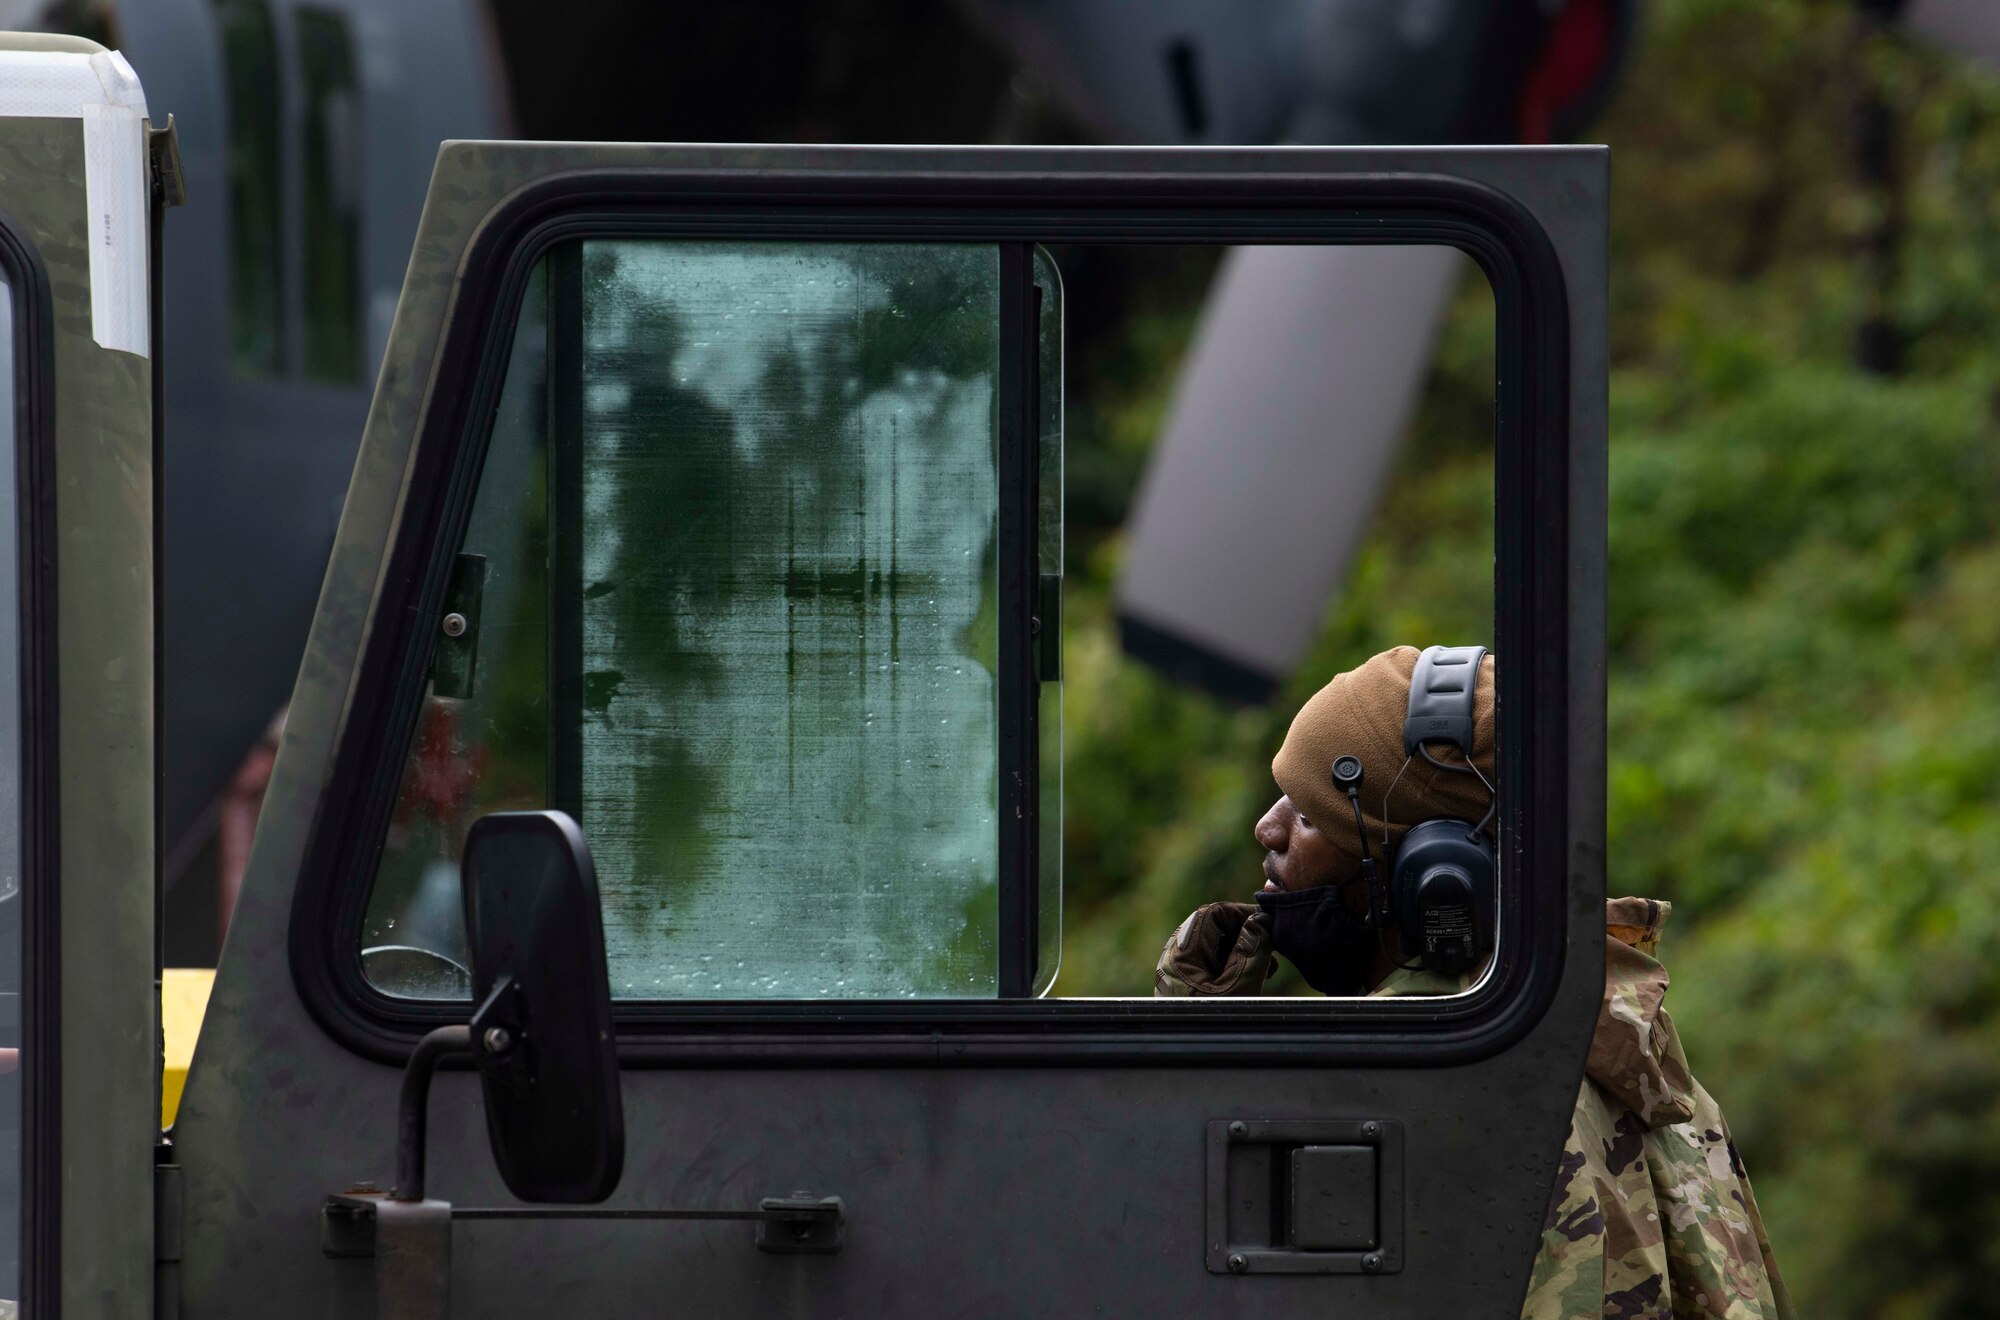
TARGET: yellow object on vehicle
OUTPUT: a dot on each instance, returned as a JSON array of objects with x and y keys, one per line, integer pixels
[{"x": 183, "y": 1000}]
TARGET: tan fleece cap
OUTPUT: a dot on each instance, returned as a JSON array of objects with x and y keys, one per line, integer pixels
[{"x": 1360, "y": 713}]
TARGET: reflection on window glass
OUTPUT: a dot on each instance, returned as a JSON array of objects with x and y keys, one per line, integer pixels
[
  {"x": 12, "y": 983},
  {"x": 486, "y": 747},
  {"x": 330, "y": 159},
  {"x": 256, "y": 256},
  {"x": 758, "y": 481}
]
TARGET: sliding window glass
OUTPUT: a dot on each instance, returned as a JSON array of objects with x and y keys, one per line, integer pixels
[{"x": 728, "y": 595}]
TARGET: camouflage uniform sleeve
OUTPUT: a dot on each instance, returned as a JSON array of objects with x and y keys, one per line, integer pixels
[
  {"x": 1652, "y": 1214},
  {"x": 1653, "y": 1224},
  {"x": 1717, "y": 1249},
  {"x": 1601, "y": 1252},
  {"x": 1568, "y": 1276}
]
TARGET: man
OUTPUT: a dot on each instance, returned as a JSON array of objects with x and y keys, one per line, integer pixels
[{"x": 1652, "y": 1213}]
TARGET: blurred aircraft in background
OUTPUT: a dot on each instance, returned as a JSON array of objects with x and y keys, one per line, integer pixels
[
  {"x": 308, "y": 132},
  {"x": 1307, "y": 361}
]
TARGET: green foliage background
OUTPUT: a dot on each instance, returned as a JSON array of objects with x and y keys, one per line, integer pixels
[{"x": 1804, "y": 630}]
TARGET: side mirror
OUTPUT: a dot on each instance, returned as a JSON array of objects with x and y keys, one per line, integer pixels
[{"x": 542, "y": 1035}]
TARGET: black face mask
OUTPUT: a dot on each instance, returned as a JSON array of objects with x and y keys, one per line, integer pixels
[{"x": 1329, "y": 945}]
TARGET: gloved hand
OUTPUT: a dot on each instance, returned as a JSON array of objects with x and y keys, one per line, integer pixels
[{"x": 1221, "y": 949}]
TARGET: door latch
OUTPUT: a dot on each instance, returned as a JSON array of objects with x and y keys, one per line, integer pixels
[
  {"x": 1305, "y": 1197},
  {"x": 801, "y": 1225}
]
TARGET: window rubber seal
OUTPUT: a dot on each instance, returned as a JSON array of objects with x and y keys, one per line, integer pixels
[
  {"x": 40, "y": 893},
  {"x": 1533, "y": 460}
]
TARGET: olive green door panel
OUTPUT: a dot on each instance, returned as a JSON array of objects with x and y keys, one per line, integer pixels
[
  {"x": 996, "y": 1153},
  {"x": 102, "y": 770}
]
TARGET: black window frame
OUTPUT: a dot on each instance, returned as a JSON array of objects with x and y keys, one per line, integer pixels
[
  {"x": 1531, "y": 610},
  {"x": 40, "y": 896}
]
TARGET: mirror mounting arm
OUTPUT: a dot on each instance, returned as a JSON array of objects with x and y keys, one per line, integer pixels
[
  {"x": 499, "y": 1030},
  {"x": 414, "y": 1108}
]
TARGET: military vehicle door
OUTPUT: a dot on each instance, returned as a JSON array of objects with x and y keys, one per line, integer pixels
[
  {"x": 82, "y": 179},
  {"x": 708, "y": 496}
]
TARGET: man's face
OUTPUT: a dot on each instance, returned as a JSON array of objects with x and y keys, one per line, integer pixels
[{"x": 1296, "y": 854}]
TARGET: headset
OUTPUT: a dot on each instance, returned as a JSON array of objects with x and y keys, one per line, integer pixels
[{"x": 1440, "y": 896}]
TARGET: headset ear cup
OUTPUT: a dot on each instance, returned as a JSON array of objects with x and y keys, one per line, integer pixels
[{"x": 1441, "y": 895}]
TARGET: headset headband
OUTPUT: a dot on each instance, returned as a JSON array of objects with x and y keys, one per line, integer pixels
[{"x": 1441, "y": 698}]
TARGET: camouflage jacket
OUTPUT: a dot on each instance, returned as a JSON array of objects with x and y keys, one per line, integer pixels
[
  {"x": 1652, "y": 1214},
  {"x": 1652, "y": 1217}
]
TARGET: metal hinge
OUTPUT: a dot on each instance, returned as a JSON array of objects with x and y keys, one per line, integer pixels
[
  {"x": 803, "y": 1223},
  {"x": 163, "y": 150},
  {"x": 167, "y": 1203}
]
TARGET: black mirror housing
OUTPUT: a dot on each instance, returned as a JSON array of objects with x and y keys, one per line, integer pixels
[{"x": 542, "y": 1035}]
